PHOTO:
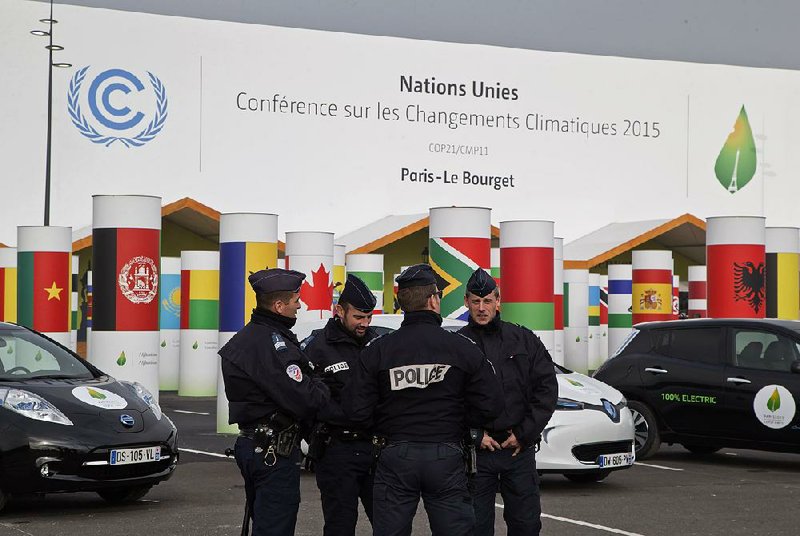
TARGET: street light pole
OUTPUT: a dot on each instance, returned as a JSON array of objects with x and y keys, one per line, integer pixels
[
  {"x": 50, "y": 48},
  {"x": 49, "y": 121}
]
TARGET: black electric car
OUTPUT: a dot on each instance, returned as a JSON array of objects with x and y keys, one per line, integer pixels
[
  {"x": 66, "y": 426},
  {"x": 711, "y": 383}
]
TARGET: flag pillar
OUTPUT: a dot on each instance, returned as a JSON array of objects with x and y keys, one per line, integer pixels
[
  {"x": 248, "y": 242},
  {"x": 311, "y": 252},
  {"x": 170, "y": 324}
]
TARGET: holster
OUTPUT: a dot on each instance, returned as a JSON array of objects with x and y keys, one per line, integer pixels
[
  {"x": 378, "y": 444},
  {"x": 470, "y": 451},
  {"x": 318, "y": 441},
  {"x": 281, "y": 435}
]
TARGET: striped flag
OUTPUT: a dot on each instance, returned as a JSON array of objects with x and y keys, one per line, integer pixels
[
  {"x": 43, "y": 290},
  {"x": 125, "y": 279},
  {"x": 237, "y": 261},
  {"x": 200, "y": 299},
  {"x": 8, "y": 284},
  {"x": 454, "y": 260}
]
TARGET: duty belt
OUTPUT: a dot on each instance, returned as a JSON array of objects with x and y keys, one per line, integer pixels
[{"x": 350, "y": 435}]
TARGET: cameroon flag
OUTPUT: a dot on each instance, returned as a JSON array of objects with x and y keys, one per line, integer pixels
[{"x": 43, "y": 290}]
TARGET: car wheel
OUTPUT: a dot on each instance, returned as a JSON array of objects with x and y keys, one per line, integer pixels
[
  {"x": 701, "y": 450},
  {"x": 646, "y": 438},
  {"x": 124, "y": 495},
  {"x": 586, "y": 478}
]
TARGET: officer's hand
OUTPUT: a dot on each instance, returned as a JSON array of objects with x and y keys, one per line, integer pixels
[
  {"x": 488, "y": 443},
  {"x": 512, "y": 443}
]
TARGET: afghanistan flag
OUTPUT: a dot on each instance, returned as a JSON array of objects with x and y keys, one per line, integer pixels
[
  {"x": 125, "y": 279},
  {"x": 44, "y": 299}
]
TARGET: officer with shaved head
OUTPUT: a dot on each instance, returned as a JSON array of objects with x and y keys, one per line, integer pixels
[
  {"x": 506, "y": 455},
  {"x": 423, "y": 387}
]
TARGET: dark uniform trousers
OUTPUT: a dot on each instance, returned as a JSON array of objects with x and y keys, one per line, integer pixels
[
  {"x": 273, "y": 491},
  {"x": 409, "y": 469},
  {"x": 518, "y": 483},
  {"x": 343, "y": 475}
]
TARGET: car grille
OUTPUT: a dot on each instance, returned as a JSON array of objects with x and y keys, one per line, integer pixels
[
  {"x": 107, "y": 472},
  {"x": 589, "y": 453}
]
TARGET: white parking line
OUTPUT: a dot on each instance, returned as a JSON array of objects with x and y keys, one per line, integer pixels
[
  {"x": 214, "y": 454},
  {"x": 664, "y": 467},
  {"x": 189, "y": 412},
  {"x": 585, "y": 524}
]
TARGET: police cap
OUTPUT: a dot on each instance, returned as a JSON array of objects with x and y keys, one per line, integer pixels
[
  {"x": 481, "y": 283},
  {"x": 357, "y": 294},
  {"x": 416, "y": 276},
  {"x": 276, "y": 280}
]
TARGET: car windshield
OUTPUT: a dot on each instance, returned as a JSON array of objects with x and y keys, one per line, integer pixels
[{"x": 25, "y": 355}]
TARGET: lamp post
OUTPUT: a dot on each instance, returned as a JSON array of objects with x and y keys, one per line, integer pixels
[{"x": 50, "y": 48}]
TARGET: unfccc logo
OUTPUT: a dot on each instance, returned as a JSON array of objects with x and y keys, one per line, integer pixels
[{"x": 110, "y": 95}]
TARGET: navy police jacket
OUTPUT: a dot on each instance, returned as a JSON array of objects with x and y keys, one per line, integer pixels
[
  {"x": 423, "y": 383},
  {"x": 265, "y": 371},
  {"x": 526, "y": 372},
  {"x": 334, "y": 354}
]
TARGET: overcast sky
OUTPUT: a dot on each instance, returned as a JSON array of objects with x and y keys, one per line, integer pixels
[{"x": 756, "y": 33}]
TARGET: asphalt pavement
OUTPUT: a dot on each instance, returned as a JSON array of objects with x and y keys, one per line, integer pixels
[{"x": 733, "y": 492}]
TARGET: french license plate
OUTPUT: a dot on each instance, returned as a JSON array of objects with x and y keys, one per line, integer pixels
[
  {"x": 140, "y": 455},
  {"x": 616, "y": 460}
]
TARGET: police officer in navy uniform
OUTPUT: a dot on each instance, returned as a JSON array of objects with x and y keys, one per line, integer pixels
[
  {"x": 423, "y": 386},
  {"x": 270, "y": 390},
  {"x": 507, "y": 446},
  {"x": 343, "y": 468}
]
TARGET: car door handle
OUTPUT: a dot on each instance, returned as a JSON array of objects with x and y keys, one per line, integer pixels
[
  {"x": 656, "y": 370},
  {"x": 739, "y": 380}
]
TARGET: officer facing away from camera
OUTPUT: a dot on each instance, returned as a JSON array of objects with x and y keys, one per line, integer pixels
[
  {"x": 342, "y": 447},
  {"x": 506, "y": 455},
  {"x": 423, "y": 386},
  {"x": 270, "y": 390}
]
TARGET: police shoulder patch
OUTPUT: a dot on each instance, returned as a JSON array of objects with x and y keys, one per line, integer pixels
[
  {"x": 279, "y": 343},
  {"x": 294, "y": 372}
]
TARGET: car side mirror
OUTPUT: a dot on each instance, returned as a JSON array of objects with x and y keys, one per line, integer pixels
[{"x": 795, "y": 367}]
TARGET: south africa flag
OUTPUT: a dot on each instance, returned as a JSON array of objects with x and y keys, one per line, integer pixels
[{"x": 454, "y": 260}]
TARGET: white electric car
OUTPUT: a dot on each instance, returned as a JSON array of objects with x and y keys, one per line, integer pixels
[{"x": 589, "y": 435}]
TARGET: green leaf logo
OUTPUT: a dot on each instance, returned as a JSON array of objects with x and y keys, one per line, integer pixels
[
  {"x": 575, "y": 383},
  {"x": 38, "y": 356},
  {"x": 195, "y": 345},
  {"x": 774, "y": 401},
  {"x": 163, "y": 344},
  {"x": 736, "y": 163},
  {"x": 578, "y": 339},
  {"x": 10, "y": 349},
  {"x": 121, "y": 359},
  {"x": 95, "y": 394}
]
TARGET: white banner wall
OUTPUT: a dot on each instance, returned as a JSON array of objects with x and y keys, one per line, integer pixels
[{"x": 228, "y": 111}]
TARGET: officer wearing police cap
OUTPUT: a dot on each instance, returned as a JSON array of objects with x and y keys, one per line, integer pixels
[
  {"x": 270, "y": 390},
  {"x": 343, "y": 447},
  {"x": 423, "y": 386},
  {"x": 507, "y": 445}
]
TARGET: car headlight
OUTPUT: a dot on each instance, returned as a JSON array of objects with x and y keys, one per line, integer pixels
[
  {"x": 142, "y": 392},
  {"x": 568, "y": 404},
  {"x": 32, "y": 406}
]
